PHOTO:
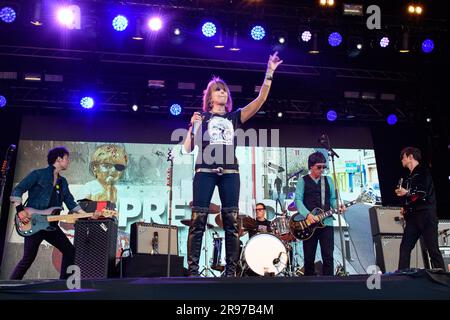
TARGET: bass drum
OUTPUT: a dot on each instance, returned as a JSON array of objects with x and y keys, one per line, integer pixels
[{"x": 265, "y": 254}]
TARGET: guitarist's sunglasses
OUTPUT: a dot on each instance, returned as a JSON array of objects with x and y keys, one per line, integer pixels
[{"x": 321, "y": 167}]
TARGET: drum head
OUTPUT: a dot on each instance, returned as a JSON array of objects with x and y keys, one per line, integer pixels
[{"x": 265, "y": 253}]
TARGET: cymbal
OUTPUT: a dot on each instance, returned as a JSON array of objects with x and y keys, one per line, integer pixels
[
  {"x": 213, "y": 208},
  {"x": 244, "y": 221},
  {"x": 188, "y": 222}
]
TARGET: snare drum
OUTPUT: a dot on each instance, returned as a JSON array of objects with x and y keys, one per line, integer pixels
[
  {"x": 265, "y": 254},
  {"x": 280, "y": 226}
]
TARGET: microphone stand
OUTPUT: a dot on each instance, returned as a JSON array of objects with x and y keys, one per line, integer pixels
[
  {"x": 325, "y": 142},
  {"x": 169, "y": 209},
  {"x": 4, "y": 171}
]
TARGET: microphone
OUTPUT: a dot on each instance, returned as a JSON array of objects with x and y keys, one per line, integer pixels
[
  {"x": 197, "y": 124},
  {"x": 443, "y": 231},
  {"x": 277, "y": 260}
]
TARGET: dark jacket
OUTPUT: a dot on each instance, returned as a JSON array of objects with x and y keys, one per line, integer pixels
[
  {"x": 39, "y": 184},
  {"x": 420, "y": 186}
]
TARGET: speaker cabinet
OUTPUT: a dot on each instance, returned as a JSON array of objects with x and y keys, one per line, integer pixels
[
  {"x": 383, "y": 220},
  {"x": 152, "y": 238},
  {"x": 446, "y": 255},
  {"x": 387, "y": 251},
  {"x": 95, "y": 247},
  {"x": 444, "y": 233}
]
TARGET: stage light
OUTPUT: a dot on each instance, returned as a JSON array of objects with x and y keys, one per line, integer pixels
[
  {"x": 427, "y": 45},
  {"x": 175, "y": 109},
  {"x": 155, "y": 24},
  {"x": 176, "y": 31},
  {"x": 391, "y": 119},
  {"x": 87, "y": 102},
  {"x": 281, "y": 40},
  {"x": 135, "y": 107},
  {"x": 335, "y": 39},
  {"x": 120, "y": 23},
  {"x": 323, "y": 2},
  {"x": 209, "y": 29},
  {"x": 65, "y": 16},
  {"x": 411, "y": 9},
  {"x": 428, "y": 120},
  {"x": 314, "y": 44},
  {"x": 418, "y": 10},
  {"x": 7, "y": 14},
  {"x": 36, "y": 21},
  {"x": 306, "y": 36},
  {"x": 330, "y": 3},
  {"x": 331, "y": 115},
  {"x": 384, "y": 42},
  {"x": 404, "y": 48},
  {"x": 235, "y": 46},
  {"x": 280, "y": 114},
  {"x": 2, "y": 101},
  {"x": 258, "y": 33}
]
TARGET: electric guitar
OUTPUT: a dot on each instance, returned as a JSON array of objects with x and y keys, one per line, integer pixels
[
  {"x": 302, "y": 229},
  {"x": 411, "y": 196},
  {"x": 40, "y": 219}
]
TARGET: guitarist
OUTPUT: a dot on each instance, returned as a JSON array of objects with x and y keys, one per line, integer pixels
[
  {"x": 317, "y": 191},
  {"x": 419, "y": 210},
  {"x": 46, "y": 188}
]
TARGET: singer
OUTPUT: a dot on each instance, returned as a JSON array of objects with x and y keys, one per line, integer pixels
[
  {"x": 419, "y": 213},
  {"x": 46, "y": 188},
  {"x": 317, "y": 191},
  {"x": 216, "y": 164}
]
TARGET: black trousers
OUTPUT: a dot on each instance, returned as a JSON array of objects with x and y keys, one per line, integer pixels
[
  {"x": 326, "y": 238},
  {"x": 419, "y": 224},
  {"x": 58, "y": 239}
]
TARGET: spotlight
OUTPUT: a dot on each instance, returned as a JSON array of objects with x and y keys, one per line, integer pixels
[
  {"x": 384, "y": 42},
  {"x": 176, "y": 31},
  {"x": 120, "y": 23},
  {"x": 404, "y": 48},
  {"x": 323, "y": 2},
  {"x": 155, "y": 24},
  {"x": 7, "y": 14},
  {"x": 306, "y": 36},
  {"x": 428, "y": 120},
  {"x": 135, "y": 107},
  {"x": 281, "y": 40},
  {"x": 391, "y": 119},
  {"x": 427, "y": 45},
  {"x": 258, "y": 33},
  {"x": 411, "y": 9},
  {"x": 175, "y": 109},
  {"x": 331, "y": 115},
  {"x": 280, "y": 114},
  {"x": 418, "y": 10},
  {"x": 65, "y": 16},
  {"x": 87, "y": 102},
  {"x": 2, "y": 101},
  {"x": 209, "y": 29},
  {"x": 335, "y": 39}
]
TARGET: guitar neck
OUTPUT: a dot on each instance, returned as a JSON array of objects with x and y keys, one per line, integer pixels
[
  {"x": 330, "y": 212},
  {"x": 69, "y": 217}
]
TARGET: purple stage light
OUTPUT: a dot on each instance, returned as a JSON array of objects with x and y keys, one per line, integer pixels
[
  {"x": 335, "y": 39},
  {"x": 331, "y": 115},
  {"x": 306, "y": 36},
  {"x": 175, "y": 109},
  {"x": 87, "y": 102},
  {"x": 2, "y": 101},
  {"x": 65, "y": 16},
  {"x": 7, "y": 14},
  {"x": 120, "y": 23},
  {"x": 391, "y": 119},
  {"x": 427, "y": 45}
]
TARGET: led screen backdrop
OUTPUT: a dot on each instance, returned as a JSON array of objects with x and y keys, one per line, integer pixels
[{"x": 133, "y": 176}]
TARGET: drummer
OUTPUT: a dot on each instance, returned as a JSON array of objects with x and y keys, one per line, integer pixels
[{"x": 261, "y": 224}]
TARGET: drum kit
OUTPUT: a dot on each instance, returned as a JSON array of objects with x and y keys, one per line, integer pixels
[{"x": 264, "y": 254}]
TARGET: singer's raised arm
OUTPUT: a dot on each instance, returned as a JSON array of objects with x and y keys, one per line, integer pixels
[{"x": 252, "y": 108}]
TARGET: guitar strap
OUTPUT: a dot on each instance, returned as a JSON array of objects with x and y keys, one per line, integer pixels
[{"x": 322, "y": 191}]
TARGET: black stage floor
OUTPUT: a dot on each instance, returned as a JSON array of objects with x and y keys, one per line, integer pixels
[{"x": 423, "y": 285}]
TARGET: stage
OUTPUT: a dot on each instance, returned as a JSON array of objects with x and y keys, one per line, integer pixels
[{"x": 420, "y": 285}]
